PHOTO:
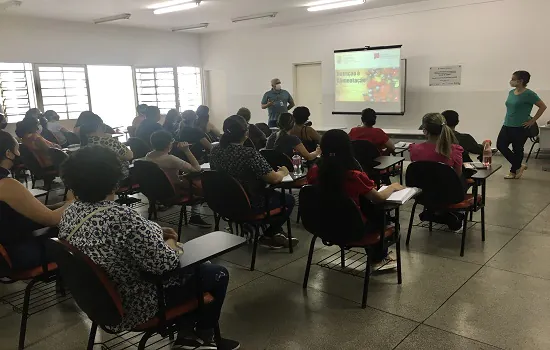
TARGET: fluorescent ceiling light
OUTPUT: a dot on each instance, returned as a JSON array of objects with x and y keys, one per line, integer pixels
[
  {"x": 191, "y": 27},
  {"x": 322, "y": 2},
  {"x": 176, "y": 8},
  {"x": 159, "y": 5},
  {"x": 112, "y": 18},
  {"x": 336, "y": 5},
  {"x": 251, "y": 17},
  {"x": 11, "y": 3}
]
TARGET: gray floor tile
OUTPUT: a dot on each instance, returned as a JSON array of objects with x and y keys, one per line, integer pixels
[
  {"x": 447, "y": 244},
  {"x": 425, "y": 337},
  {"x": 500, "y": 308},
  {"x": 527, "y": 253},
  {"x": 541, "y": 222},
  {"x": 270, "y": 313},
  {"x": 427, "y": 282}
]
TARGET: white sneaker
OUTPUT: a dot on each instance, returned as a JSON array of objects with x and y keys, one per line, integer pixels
[{"x": 388, "y": 263}]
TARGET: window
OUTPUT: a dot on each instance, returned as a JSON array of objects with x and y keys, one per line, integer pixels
[
  {"x": 112, "y": 94},
  {"x": 16, "y": 90},
  {"x": 64, "y": 89},
  {"x": 156, "y": 87},
  {"x": 189, "y": 88}
]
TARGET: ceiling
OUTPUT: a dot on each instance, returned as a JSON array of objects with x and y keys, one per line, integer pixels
[{"x": 216, "y": 12}]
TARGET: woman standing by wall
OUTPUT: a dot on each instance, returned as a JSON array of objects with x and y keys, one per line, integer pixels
[{"x": 518, "y": 120}]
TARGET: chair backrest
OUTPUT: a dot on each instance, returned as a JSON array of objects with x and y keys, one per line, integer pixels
[
  {"x": 264, "y": 128},
  {"x": 248, "y": 143},
  {"x": 533, "y": 131},
  {"x": 58, "y": 157},
  {"x": 138, "y": 146},
  {"x": 440, "y": 184},
  {"x": 334, "y": 218},
  {"x": 153, "y": 182},
  {"x": 72, "y": 138},
  {"x": 225, "y": 195},
  {"x": 277, "y": 159},
  {"x": 365, "y": 153},
  {"x": 90, "y": 286},
  {"x": 29, "y": 160}
]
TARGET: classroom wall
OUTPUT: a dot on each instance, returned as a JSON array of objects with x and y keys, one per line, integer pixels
[{"x": 489, "y": 38}]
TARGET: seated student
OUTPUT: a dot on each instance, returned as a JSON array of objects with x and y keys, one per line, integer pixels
[
  {"x": 140, "y": 116},
  {"x": 196, "y": 138},
  {"x": 162, "y": 143},
  {"x": 149, "y": 125},
  {"x": 337, "y": 172},
  {"x": 83, "y": 117},
  {"x": 204, "y": 125},
  {"x": 367, "y": 132},
  {"x": 20, "y": 212},
  {"x": 251, "y": 169},
  {"x": 255, "y": 135},
  {"x": 172, "y": 121},
  {"x": 442, "y": 145},
  {"x": 288, "y": 144},
  {"x": 124, "y": 244},
  {"x": 27, "y": 131},
  {"x": 466, "y": 141},
  {"x": 57, "y": 129},
  {"x": 310, "y": 138},
  {"x": 92, "y": 132}
]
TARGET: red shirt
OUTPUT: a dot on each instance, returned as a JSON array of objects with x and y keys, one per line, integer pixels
[
  {"x": 426, "y": 152},
  {"x": 375, "y": 136},
  {"x": 357, "y": 184}
]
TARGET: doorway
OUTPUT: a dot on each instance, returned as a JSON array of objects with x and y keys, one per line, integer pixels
[{"x": 308, "y": 90}]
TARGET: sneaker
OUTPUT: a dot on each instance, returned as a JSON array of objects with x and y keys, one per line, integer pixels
[
  {"x": 281, "y": 238},
  {"x": 270, "y": 242},
  {"x": 388, "y": 263},
  {"x": 228, "y": 344},
  {"x": 193, "y": 343},
  {"x": 510, "y": 176},
  {"x": 519, "y": 174},
  {"x": 196, "y": 220},
  {"x": 295, "y": 240}
]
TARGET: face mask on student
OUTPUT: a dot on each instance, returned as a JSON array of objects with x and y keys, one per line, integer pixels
[
  {"x": 278, "y": 87},
  {"x": 514, "y": 83}
]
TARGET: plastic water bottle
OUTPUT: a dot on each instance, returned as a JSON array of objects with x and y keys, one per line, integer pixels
[
  {"x": 297, "y": 164},
  {"x": 487, "y": 154}
]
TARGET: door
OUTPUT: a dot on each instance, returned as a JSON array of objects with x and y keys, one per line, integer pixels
[{"x": 308, "y": 90}]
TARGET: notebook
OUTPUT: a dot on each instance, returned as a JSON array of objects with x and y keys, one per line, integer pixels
[
  {"x": 205, "y": 166},
  {"x": 401, "y": 197},
  {"x": 403, "y": 144}
]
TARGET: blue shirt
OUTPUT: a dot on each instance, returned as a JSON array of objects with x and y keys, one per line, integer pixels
[
  {"x": 519, "y": 107},
  {"x": 281, "y": 99}
]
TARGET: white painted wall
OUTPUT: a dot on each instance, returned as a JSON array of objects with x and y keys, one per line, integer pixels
[{"x": 489, "y": 38}]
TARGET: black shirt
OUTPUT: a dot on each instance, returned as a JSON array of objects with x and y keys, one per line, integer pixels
[
  {"x": 469, "y": 144},
  {"x": 146, "y": 129},
  {"x": 256, "y": 136},
  {"x": 193, "y": 137}
]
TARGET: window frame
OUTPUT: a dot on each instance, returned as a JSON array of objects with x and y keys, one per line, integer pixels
[
  {"x": 38, "y": 86},
  {"x": 28, "y": 73}
]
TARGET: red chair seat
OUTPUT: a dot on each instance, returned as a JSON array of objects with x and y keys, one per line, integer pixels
[
  {"x": 176, "y": 312},
  {"x": 466, "y": 203},
  {"x": 262, "y": 216},
  {"x": 372, "y": 238},
  {"x": 29, "y": 274}
]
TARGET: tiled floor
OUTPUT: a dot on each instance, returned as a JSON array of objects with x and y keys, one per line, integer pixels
[{"x": 496, "y": 296}]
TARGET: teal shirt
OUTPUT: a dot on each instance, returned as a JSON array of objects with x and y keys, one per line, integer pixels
[
  {"x": 519, "y": 107},
  {"x": 281, "y": 99}
]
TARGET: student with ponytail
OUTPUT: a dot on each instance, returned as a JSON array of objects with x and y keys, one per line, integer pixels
[
  {"x": 288, "y": 144},
  {"x": 254, "y": 173},
  {"x": 441, "y": 146}
]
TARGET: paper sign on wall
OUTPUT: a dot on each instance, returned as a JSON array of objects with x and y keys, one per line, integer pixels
[{"x": 445, "y": 76}]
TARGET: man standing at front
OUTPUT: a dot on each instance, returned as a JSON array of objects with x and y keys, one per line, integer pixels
[{"x": 277, "y": 101}]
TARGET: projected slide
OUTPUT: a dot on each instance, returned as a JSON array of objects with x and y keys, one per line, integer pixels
[{"x": 368, "y": 78}]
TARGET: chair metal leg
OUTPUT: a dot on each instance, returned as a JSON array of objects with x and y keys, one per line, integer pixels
[
  {"x": 309, "y": 258},
  {"x": 464, "y": 228},
  {"x": 472, "y": 215},
  {"x": 530, "y": 151},
  {"x": 537, "y": 154},
  {"x": 298, "y": 216},
  {"x": 342, "y": 257},
  {"x": 144, "y": 339},
  {"x": 185, "y": 215},
  {"x": 180, "y": 223},
  {"x": 25, "y": 314},
  {"x": 431, "y": 226},
  {"x": 255, "y": 248},
  {"x": 483, "y": 223},
  {"x": 398, "y": 252},
  {"x": 91, "y": 337},
  {"x": 289, "y": 233},
  {"x": 411, "y": 224},
  {"x": 366, "y": 284},
  {"x": 217, "y": 219}
]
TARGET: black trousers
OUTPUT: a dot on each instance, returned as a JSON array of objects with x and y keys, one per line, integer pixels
[{"x": 516, "y": 136}]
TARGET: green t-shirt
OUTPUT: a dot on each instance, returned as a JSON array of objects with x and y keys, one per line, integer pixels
[{"x": 519, "y": 107}]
